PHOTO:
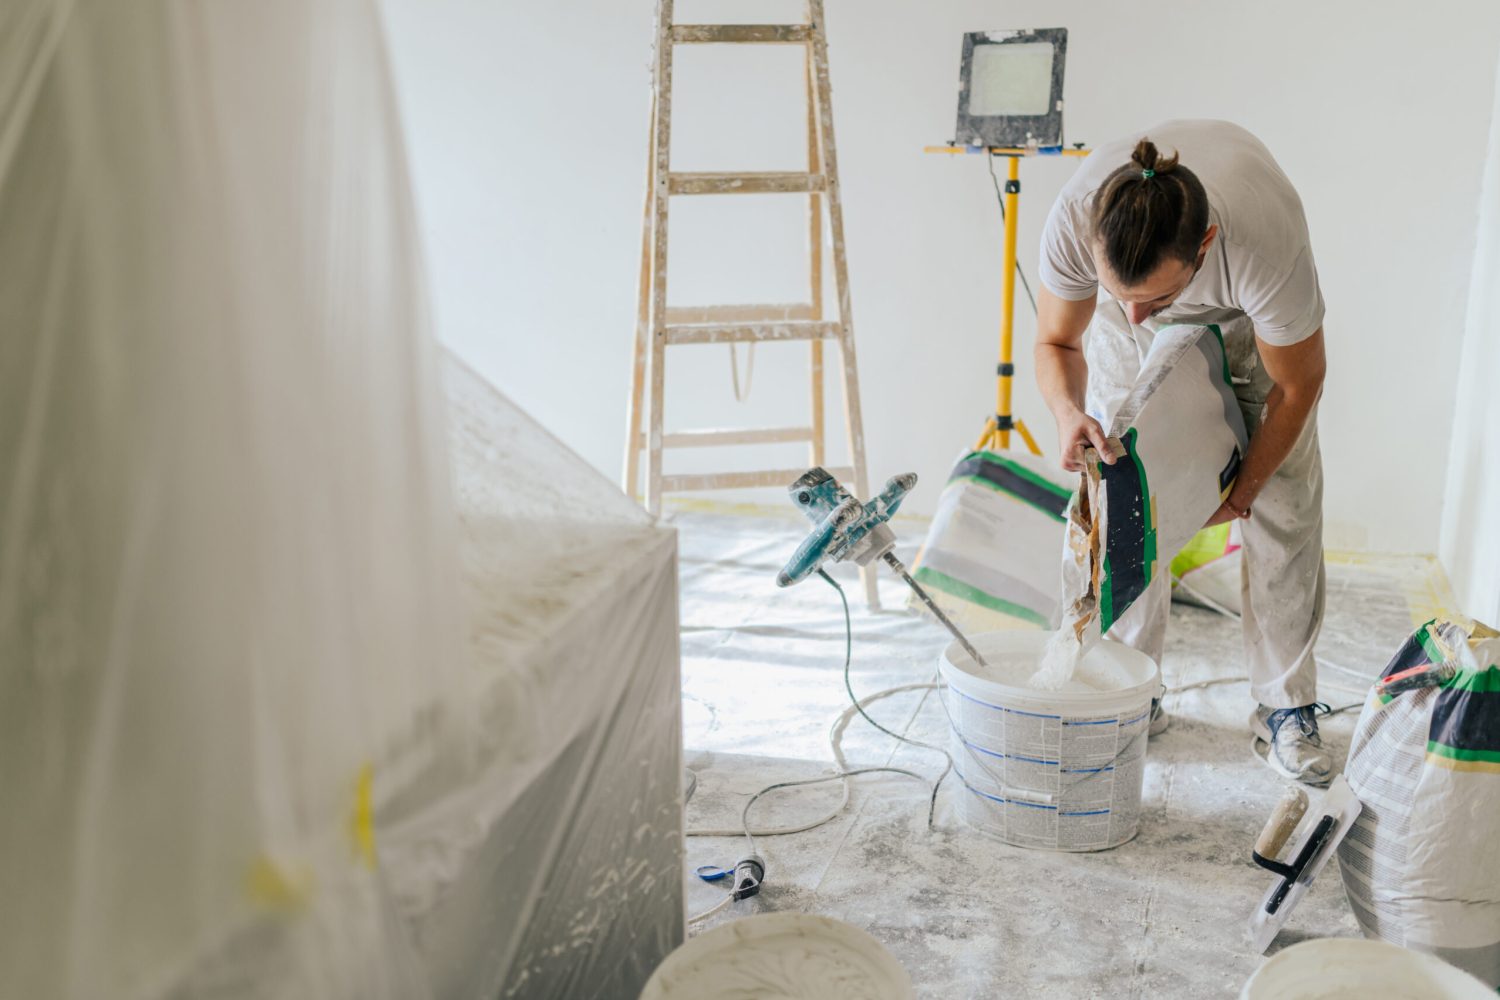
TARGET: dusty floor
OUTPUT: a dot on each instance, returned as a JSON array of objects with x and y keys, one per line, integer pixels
[{"x": 968, "y": 916}]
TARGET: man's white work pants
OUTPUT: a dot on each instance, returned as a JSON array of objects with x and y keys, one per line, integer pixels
[{"x": 1282, "y": 579}]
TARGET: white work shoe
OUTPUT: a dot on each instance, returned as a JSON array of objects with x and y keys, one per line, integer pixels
[
  {"x": 1293, "y": 747},
  {"x": 1160, "y": 720}
]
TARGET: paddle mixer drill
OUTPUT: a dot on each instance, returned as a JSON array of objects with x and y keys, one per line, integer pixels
[{"x": 846, "y": 529}]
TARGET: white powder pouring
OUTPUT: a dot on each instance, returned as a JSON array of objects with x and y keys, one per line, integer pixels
[
  {"x": 1060, "y": 661},
  {"x": 1074, "y": 675}
]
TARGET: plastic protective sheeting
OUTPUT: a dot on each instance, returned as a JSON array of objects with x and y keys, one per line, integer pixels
[
  {"x": 253, "y": 742},
  {"x": 559, "y": 873}
]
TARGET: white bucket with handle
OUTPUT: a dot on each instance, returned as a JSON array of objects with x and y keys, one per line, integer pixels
[
  {"x": 1329, "y": 968},
  {"x": 1056, "y": 770}
]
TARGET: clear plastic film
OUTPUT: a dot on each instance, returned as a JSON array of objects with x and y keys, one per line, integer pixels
[{"x": 250, "y": 679}]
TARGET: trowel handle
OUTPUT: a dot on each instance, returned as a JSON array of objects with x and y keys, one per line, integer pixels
[
  {"x": 1426, "y": 675},
  {"x": 1284, "y": 819}
]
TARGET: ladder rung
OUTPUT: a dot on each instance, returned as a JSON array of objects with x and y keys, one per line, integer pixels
[
  {"x": 679, "y": 315},
  {"x": 763, "y": 33},
  {"x": 763, "y": 182},
  {"x": 709, "y": 439},
  {"x": 742, "y": 480},
  {"x": 739, "y": 333}
]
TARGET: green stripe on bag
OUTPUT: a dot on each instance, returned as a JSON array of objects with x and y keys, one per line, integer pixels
[
  {"x": 972, "y": 594},
  {"x": 1453, "y": 753},
  {"x": 1432, "y": 649},
  {"x": 1485, "y": 681},
  {"x": 1023, "y": 472},
  {"x": 1223, "y": 351}
]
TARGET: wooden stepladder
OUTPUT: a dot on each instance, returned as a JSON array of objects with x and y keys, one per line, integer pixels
[{"x": 659, "y": 326}]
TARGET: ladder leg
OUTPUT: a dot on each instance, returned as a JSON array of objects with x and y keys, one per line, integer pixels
[
  {"x": 853, "y": 419},
  {"x": 817, "y": 448},
  {"x": 631, "y": 477},
  {"x": 661, "y": 169}
]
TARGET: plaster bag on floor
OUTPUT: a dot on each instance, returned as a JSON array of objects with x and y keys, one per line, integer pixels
[
  {"x": 1206, "y": 571},
  {"x": 1422, "y": 865},
  {"x": 1180, "y": 439},
  {"x": 990, "y": 559}
]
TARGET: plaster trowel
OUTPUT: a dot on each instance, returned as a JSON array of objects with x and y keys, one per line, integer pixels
[{"x": 1295, "y": 845}]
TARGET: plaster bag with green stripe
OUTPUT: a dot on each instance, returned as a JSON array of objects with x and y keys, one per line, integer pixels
[
  {"x": 1421, "y": 866},
  {"x": 1179, "y": 439},
  {"x": 990, "y": 559}
]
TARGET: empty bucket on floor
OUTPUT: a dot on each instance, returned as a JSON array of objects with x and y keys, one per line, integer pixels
[
  {"x": 1057, "y": 770},
  {"x": 780, "y": 955},
  {"x": 1329, "y": 968}
]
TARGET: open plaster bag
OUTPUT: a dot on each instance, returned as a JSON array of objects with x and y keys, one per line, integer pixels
[
  {"x": 1422, "y": 865},
  {"x": 990, "y": 559},
  {"x": 1179, "y": 440}
]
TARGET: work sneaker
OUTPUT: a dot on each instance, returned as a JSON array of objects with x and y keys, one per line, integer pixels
[
  {"x": 1293, "y": 747},
  {"x": 1160, "y": 720}
]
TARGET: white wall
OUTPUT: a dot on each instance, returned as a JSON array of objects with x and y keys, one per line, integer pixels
[
  {"x": 1471, "y": 509},
  {"x": 528, "y": 124}
]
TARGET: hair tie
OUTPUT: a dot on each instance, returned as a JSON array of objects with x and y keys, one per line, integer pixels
[{"x": 1147, "y": 174}]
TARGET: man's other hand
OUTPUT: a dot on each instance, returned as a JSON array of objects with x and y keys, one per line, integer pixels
[{"x": 1225, "y": 514}]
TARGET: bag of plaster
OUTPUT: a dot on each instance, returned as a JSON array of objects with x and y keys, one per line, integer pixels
[
  {"x": 1421, "y": 866},
  {"x": 1178, "y": 438},
  {"x": 990, "y": 559}
]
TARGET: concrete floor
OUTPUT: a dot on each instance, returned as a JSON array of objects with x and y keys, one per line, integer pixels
[{"x": 1162, "y": 916}]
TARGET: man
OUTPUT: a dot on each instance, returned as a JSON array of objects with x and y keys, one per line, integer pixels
[{"x": 1195, "y": 223}]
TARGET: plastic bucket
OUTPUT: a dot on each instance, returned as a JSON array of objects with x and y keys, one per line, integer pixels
[
  {"x": 1060, "y": 771},
  {"x": 1329, "y": 968},
  {"x": 783, "y": 954}
]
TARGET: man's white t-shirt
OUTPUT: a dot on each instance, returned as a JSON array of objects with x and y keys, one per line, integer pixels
[{"x": 1261, "y": 263}]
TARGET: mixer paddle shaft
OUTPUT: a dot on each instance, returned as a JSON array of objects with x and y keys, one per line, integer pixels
[{"x": 895, "y": 564}]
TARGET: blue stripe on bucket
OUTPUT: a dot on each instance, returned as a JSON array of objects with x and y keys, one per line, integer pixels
[
  {"x": 1086, "y": 770},
  {"x": 1002, "y": 708},
  {"x": 995, "y": 753},
  {"x": 1091, "y": 812},
  {"x": 975, "y": 746},
  {"x": 1034, "y": 715},
  {"x": 968, "y": 697},
  {"x": 1043, "y": 715},
  {"x": 1034, "y": 760}
]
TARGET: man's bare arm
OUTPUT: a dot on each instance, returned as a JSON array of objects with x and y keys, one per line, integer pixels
[
  {"x": 1062, "y": 374},
  {"x": 1298, "y": 372}
]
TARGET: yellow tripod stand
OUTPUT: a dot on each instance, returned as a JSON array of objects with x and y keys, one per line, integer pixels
[{"x": 996, "y": 435}]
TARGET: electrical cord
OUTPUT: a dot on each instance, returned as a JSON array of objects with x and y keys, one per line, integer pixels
[
  {"x": 857, "y": 706},
  {"x": 741, "y": 394},
  {"x": 1204, "y": 599},
  {"x": 835, "y": 740},
  {"x": 849, "y": 687},
  {"x": 698, "y": 918}
]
